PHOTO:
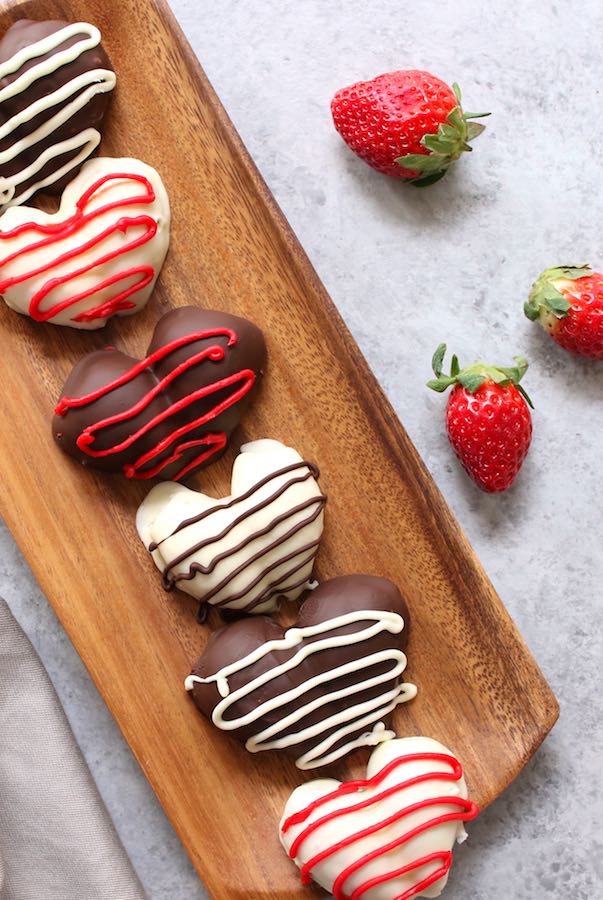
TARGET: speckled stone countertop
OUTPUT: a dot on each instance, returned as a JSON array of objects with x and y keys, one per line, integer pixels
[{"x": 407, "y": 269}]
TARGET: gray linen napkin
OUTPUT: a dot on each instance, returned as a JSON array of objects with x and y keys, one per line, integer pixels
[{"x": 57, "y": 841}]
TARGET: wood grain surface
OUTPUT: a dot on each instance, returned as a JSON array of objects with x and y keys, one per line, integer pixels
[{"x": 480, "y": 691}]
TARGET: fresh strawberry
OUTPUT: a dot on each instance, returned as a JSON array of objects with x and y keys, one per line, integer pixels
[
  {"x": 408, "y": 124},
  {"x": 568, "y": 301},
  {"x": 487, "y": 417}
]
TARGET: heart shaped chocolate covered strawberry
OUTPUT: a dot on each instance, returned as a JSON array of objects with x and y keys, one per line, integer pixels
[
  {"x": 55, "y": 85},
  {"x": 98, "y": 256},
  {"x": 390, "y": 836},
  {"x": 170, "y": 413},
  {"x": 318, "y": 690},
  {"x": 245, "y": 551}
]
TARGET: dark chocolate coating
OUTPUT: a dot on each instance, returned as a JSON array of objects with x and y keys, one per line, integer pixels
[
  {"x": 22, "y": 34},
  {"x": 330, "y": 599},
  {"x": 103, "y": 366}
]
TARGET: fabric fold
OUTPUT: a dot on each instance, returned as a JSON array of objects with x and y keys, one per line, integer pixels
[{"x": 57, "y": 841}]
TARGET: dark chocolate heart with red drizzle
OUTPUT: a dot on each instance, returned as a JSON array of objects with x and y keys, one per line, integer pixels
[
  {"x": 318, "y": 690},
  {"x": 171, "y": 413}
]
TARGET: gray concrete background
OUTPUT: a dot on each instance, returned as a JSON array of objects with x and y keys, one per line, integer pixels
[{"x": 407, "y": 269}]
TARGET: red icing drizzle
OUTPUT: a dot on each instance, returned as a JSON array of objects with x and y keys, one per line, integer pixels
[
  {"x": 58, "y": 231},
  {"x": 240, "y": 381},
  {"x": 467, "y": 810}
]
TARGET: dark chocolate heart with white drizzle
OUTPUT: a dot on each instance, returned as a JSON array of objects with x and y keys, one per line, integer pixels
[
  {"x": 318, "y": 690},
  {"x": 55, "y": 84},
  {"x": 171, "y": 413}
]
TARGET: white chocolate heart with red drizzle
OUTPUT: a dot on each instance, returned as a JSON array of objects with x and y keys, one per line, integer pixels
[
  {"x": 389, "y": 837},
  {"x": 98, "y": 256}
]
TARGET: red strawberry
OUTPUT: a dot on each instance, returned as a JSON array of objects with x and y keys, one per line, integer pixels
[
  {"x": 568, "y": 301},
  {"x": 488, "y": 420},
  {"x": 408, "y": 124}
]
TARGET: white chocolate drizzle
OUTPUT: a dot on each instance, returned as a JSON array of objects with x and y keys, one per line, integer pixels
[
  {"x": 81, "y": 88},
  {"x": 348, "y": 720}
]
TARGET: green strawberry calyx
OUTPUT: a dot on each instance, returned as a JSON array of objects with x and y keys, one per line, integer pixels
[
  {"x": 546, "y": 299},
  {"x": 451, "y": 140},
  {"x": 474, "y": 376}
]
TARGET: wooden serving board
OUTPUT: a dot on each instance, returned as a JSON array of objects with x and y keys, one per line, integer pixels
[{"x": 480, "y": 691}]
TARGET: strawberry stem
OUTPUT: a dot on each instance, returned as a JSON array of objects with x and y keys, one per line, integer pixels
[
  {"x": 546, "y": 298},
  {"x": 525, "y": 395},
  {"x": 450, "y": 141},
  {"x": 474, "y": 376}
]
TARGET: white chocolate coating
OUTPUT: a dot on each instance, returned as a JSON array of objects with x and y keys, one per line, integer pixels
[
  {"x": 439, "y": 838},
  {"x": 151, "y": 253},
  {"x": 249, "y": 563},
  {"x": 349, "y": 719},
  {"x": 80, "y": 89}
]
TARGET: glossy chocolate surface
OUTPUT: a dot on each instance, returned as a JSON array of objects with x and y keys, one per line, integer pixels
[
  {"x": 339, "y": 596},
  {"x": 102, "y": 367},
  {"x": 22, "y": 34}
]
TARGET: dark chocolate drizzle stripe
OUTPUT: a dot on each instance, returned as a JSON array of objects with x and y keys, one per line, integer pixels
[
  {"x": 313, "y": 471},
  {"x": 207, "y": 570},
  {"x": 269, "y": 593},
  {"x": 291, "y": 533},
  {"x": 276, "y": 587}
]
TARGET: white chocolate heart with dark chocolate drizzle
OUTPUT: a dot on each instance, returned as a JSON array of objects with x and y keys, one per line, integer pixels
[{"x": 246, "y": 551}]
